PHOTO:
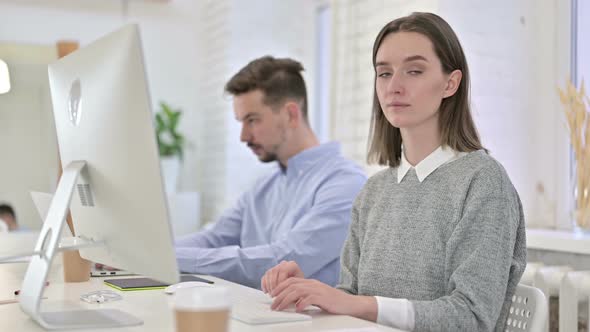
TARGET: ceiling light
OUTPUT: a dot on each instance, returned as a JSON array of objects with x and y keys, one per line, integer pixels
[{"x": 4, "y": 77}]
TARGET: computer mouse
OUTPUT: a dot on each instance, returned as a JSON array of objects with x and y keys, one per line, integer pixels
[{"x": 186, "y": 284}]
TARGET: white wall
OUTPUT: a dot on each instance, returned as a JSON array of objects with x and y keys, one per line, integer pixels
[
  {"x": 517, "y": 57},
  {"x": 235, "y": 33},
  {"x": 514, "y": 55},
  {"x": 356, "y": 24},
  {"x": 518, "y": 53},
  {"x": 168, "y": 35},
  {"x": 583, "y": 62},
  {"x": 191, "y": 48},
  {"x": 27, "y": 135},
  {"x": 169, "y": 41}
]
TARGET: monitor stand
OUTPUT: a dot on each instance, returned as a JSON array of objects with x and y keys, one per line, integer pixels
[{"x": 46, "y": 248}]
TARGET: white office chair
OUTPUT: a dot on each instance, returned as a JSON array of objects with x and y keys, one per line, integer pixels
[{"x": 528, "y": 311}]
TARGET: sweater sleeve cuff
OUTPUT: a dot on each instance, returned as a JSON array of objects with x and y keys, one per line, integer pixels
[{"x": 398, "y": 313}]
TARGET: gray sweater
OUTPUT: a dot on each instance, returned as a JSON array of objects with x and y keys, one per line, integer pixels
[{"x": 454, "y": 245}]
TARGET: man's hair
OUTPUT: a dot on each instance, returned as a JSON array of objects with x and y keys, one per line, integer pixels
[
  {"x": 278, "y": 79},
  {"x": 7, "y": 209}
]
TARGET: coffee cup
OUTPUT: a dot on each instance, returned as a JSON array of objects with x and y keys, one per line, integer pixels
[{"x": 202, "y": 309}]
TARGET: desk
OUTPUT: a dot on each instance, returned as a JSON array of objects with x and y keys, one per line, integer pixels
[{"x": 153, "y": 306}]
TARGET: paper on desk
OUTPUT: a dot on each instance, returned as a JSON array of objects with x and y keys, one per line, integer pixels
[
  {"x": 42, "y": 202},
  {"x": 17, "y": 245}
]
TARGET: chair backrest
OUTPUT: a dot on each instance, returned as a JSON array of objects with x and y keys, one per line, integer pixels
[{"x": 528, "y": 311}]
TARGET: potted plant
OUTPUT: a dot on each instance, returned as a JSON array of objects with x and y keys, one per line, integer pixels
[
  {"x": 171, "y": 144},
  {"x": 577, "y": 112}
]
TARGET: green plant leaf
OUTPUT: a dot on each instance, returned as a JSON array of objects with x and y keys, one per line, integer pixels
[{"x": 170, "y": 142}]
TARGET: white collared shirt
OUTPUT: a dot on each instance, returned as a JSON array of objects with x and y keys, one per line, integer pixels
[
  {"x": 400, "y": 312},
  {"x": 437, "y": 158}
]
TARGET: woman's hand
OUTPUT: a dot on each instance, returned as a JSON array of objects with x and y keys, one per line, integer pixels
[
  {"x": 304, "y": 292},
  {"x": 281, "y": 272}
]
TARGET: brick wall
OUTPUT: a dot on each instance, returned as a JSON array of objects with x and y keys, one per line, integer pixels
[
  {"x": 512, "y": 52},
  {"x": 234, "y": 32}
]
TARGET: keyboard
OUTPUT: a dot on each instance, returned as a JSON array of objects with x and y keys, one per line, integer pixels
[{"x": 252, "y": 306}]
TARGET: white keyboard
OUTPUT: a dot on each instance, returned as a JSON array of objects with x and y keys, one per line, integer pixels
[{"x": 252, "y": 306}]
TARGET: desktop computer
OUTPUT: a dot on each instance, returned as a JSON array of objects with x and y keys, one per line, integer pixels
[{"x": 112, "y": 180}]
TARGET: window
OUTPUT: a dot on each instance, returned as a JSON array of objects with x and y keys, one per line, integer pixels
[
  {"x": 580, "y": 62},
  {"x": 321, "y": 116},
  {"x": 580, "y": 71}
]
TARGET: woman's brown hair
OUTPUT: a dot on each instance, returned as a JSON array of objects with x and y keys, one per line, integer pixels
[{"x": 455, "y": 122}]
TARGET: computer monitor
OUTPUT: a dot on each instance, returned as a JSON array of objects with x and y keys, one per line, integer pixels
[{"x": 112, "y": 180}]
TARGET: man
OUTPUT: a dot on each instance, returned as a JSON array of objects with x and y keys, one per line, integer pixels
[
  {"x": 300, "y": 212},
  {"x": 8, "y": 217}
]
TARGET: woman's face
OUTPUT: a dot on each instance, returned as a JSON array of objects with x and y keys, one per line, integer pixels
[{"x": 410, "y": 82}]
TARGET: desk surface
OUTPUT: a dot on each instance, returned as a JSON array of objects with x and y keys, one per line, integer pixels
[{"x": 153, "y": 306}]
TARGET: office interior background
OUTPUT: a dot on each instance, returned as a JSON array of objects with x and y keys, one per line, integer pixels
[{"x": 519, "y": 53}]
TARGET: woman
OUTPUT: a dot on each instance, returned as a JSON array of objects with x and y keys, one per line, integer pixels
[{"x": 437, "y": 240}]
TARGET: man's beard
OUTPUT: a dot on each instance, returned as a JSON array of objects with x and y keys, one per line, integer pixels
[{"x": 265, "y": 156}]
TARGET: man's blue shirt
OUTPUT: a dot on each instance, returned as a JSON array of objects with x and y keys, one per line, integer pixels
[{"x": 301, "y": 213}]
